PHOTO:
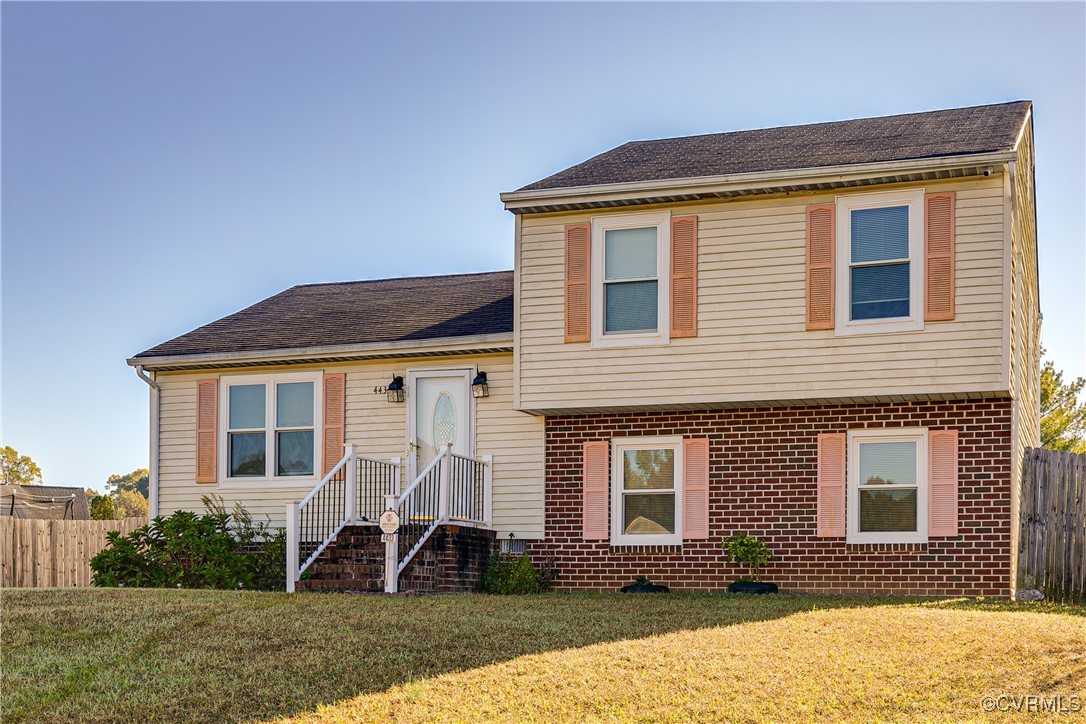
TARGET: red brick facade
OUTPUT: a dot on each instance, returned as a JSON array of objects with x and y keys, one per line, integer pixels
[{"x": 762, "y": 482}]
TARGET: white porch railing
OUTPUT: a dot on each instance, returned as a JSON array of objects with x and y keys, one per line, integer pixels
[
  {"x": 352, "y": 492},
  {"x": 451, "y": 489}
]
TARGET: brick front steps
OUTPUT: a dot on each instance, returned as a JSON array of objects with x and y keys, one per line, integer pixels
[{"x": 451, "y": 561}]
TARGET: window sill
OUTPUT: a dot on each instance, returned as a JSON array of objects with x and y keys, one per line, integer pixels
[
  {"x": 891, "y": 326},
  {"x": 853, "y": 547},
  {"x": 630, "y": 340},
  {"x": 640, "y": 549},
  {"x": 298, "y": 482}
]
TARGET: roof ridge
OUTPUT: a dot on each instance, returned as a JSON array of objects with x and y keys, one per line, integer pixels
[
  {"x": 401, "y": 279},
  {"x": 820, "y": 123}
]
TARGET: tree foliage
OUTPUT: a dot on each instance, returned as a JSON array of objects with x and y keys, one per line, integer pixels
[
  {"x": 129, "y": 504},
  {"x": 1063, "y": 413},
  {"x": 136, "y": 480},
  {"x": 101, "y": 507},
  {"x": 18, "y": 469},
  {"x": 127, "y": 495}
]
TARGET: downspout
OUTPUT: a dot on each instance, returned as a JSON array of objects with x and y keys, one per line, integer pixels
[{"x": 152, "y": 477}]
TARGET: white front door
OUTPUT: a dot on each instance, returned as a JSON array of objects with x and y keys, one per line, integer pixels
[{"x": 439, "y": 412}]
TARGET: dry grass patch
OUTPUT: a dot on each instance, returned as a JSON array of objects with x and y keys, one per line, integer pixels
[
  {"x": 886, "y": 663},
  {"x": 142, "y": 655}
]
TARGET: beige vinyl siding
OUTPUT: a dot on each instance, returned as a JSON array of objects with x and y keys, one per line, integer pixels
[
  {"x": 752, "y": 344},
  {"x": 379, "y": 429}
]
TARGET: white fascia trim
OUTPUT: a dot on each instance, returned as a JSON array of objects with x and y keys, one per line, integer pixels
[
  {"x": 1022, "y": 130},
  {"x": 741, "y": 181},
  {"x": 500, "y": 342}
]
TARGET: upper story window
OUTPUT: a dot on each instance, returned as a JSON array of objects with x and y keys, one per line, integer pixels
[
  {"x": 647, "y": 491},
  {"x": 880, "y": 271},
  {"x": 887, "y": 486},
  {"x": 630, "y": 279},
  {"x": 270, "y": 426}
]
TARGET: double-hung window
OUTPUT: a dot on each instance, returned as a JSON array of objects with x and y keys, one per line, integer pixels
[
  {"x": 880, "y": 272},
  {"x": 630, "y": 275},
  {"x": 646, "y": 491},
  {"x": 887, "y": 486},
  {"x": 270, "y": 426}
]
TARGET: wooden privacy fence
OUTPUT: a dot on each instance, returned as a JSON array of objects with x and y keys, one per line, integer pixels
[
  {"x": 43, "y": 553},
  {"x": 1052, "y": 525}
]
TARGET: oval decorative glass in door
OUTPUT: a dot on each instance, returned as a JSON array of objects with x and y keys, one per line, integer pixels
[{"x": 444, "y": 425}]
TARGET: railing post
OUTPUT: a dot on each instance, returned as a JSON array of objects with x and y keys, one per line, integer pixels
[
  {"x": 392, "y": 550},
  {"x": 395, "y": 487},
  {"x": 350, "y": 482},
  {"x": 444, "y": 478},
  {"x": 488, "y": 480},
  {"x": 292, "y": 546}
]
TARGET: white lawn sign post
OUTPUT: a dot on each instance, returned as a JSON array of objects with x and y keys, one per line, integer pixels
[{"x": 390, "y": 525}]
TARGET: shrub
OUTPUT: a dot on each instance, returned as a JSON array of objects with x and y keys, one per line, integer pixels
[
  {"x": 215, "y": 550},
  {"x": 511, "y": 574},
  {"x": 747, "y": 550}
]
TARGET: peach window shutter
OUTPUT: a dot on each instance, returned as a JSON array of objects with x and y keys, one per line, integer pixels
[
  {"x": 696, "y": 489},
  {"x": 334, "y": 404},
  {"x": 831, "y": 485},
  {"x": 207, "y": 415},
  {"x": 939, "y": 257},
  {"x": 684, "y": 276},
  {"x": 943, "y": 483},
  {"x": 578, "y": 281},
  {"x": 596, "y": 467},
  {"x": 820, "y": 242}
]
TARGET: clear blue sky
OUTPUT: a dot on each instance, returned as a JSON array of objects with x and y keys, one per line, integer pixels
[{"x": 167, "y": 164}]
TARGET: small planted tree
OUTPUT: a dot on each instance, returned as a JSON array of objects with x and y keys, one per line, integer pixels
[{"x": 746, "y": 550}]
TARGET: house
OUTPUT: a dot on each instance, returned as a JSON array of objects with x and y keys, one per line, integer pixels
[{"x": 826, "y": 336}]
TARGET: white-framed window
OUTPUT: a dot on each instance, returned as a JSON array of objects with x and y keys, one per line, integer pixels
[
  {"x": 880, "y": 262},
  {"x": 631, "y": 279},
  {"x": 646, "y": 490},
  {"x": 270, "y": 427},
  {"x": 887, "y": 486}
]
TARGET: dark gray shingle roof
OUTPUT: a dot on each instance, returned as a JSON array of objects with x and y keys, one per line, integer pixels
[
  {"x": 345, "y": 313},
  {"x": 958, "y": 131}
]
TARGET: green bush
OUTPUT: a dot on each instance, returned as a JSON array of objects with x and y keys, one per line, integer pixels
[
  {"x": 218, "y": 549},
  {"x": 511, "y": 574},
  {"x": 748, "y": 551}
]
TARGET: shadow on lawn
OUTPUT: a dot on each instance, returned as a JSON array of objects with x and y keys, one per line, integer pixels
[{"x": 196, "y": 655}]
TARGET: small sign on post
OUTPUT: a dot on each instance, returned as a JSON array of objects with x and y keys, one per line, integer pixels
[{"x": 389, "y": 524}]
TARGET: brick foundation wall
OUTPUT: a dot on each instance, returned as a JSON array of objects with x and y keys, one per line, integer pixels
[
  {"x": 451, "y": 561},
  {"x": 762, "y": 482}
]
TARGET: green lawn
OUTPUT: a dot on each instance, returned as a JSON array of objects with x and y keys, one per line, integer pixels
[{"x": 142, "y": 655}]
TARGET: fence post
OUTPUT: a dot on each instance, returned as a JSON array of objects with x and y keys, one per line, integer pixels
[
  {"x": 350, "y": 482},
  {"x": 444, "y": 477},
  {"x": 392, "y": 548},
  {"x": 488, "y": 487},
  {"x": 292, "y": 546}
]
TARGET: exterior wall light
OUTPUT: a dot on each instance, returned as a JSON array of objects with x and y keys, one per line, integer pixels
[
  {"x": 395, "y": 389},
  {"x": 479, "y": 387}
]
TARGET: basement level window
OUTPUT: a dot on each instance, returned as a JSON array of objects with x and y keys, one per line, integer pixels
[{"x": 887, "y": 486}]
